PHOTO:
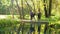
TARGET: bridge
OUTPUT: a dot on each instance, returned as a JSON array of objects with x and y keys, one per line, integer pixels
[{"x": 33, "y": 22}]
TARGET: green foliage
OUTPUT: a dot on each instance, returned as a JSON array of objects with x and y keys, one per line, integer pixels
[
  {"x": 8, "y": 7},
  {"x": 7, "y": 23},
  {"x": 57, "y": 26}
]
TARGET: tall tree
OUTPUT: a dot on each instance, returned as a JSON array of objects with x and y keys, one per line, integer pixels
[
  {"x": 12, "y": 12},
  {"x": 33, "y": 5},
  {"x": 45, "y": 9},
  {"x": 29, "y": 7},
  {"x": 19, "y": 8},
  {"x": 22, "y": 9},
  {"x": 50, "y": 7},
  {"x": 21, "y": 15}
]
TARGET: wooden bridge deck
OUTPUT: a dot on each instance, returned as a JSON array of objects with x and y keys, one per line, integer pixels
[{"x": 34, "y": 21}]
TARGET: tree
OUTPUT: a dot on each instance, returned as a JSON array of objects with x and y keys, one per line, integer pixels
[
  {"x": 45, "y": 9},
  {"x": 33, "y": 5},
  {"x": 50, "y": 7},
  {"x": 22, "y": 9},
  {"x": 29, "y": 7},
  {"x": 12, "y": 12},
  {"x": 21, "y": 15},
  {"x": 19, "y": 8}
]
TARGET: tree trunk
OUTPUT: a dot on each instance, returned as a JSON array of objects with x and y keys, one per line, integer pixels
[
  {"x": 50, "y": 7},
  {"x": 22, "y": 9},
  {"x": 21, "y": 16},
  {"x": 12, "y": 12},
  {"x": 33, "y": 5},
  {"x": 30, "y": 8},
  {"x": 20, "y": 13},
  {"x": 45, "y": 9}
]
